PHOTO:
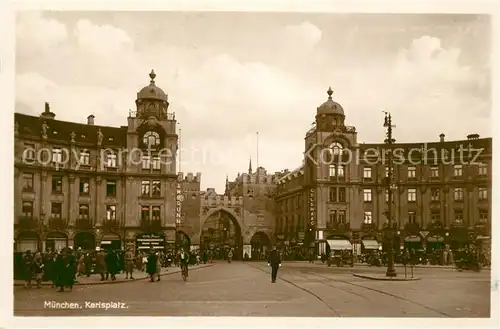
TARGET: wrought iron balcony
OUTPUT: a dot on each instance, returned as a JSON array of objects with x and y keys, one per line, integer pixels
[
  {"x": 84, "y": 223},
  {"x": 112, "y": 223},
  {"x": 151, "y": 225},
  {"x": 368, "y": 226},
  {"x": 28, "y": 222},
  {"x": 338, "y": 227},
  {"x": 412, "y": 227},
  {"x": 58, "y": 223},
  {"x": 435, "y": 226}
]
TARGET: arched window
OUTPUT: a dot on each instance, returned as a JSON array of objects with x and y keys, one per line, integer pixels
[
  {"x": 151, "y": 138},
  {"x": 336, "y": 148}
]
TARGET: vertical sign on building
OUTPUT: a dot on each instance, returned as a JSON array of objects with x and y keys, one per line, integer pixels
[
  {"x": 312, "y": 208},
  {"x": 178, "y": 205}
]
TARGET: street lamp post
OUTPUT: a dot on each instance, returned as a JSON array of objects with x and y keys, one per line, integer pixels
[{"x": 391, "y": 271}]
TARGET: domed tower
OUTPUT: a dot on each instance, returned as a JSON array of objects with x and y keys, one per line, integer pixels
[
  {"x": 330, "y": 115},
  {"x": 152, "y": 101}
]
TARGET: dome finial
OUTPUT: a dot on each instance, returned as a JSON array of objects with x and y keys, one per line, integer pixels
[
  {"x": 329, "y": 92},
  {"x": 152, "y": 75}
]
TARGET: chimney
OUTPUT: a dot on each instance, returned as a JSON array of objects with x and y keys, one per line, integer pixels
[
  {"x": 90, "y": 120},
  {"x": 441, "y": 137}
]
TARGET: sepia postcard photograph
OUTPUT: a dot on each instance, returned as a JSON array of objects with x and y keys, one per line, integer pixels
[{"x": 252, "y": 163}]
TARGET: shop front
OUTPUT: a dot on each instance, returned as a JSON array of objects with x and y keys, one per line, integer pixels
[
  {"x": 84, "y": 240},
  {"x": 413, "y": 242},
  {"x": 369, "y": 244},
  {"x": 147, "y": 240},
  {"x": 338, "y": 243},
  {"x": 55, "y": 241},
  {"x": 27, "y": 240},
  {"x": 111, "y": 241}
]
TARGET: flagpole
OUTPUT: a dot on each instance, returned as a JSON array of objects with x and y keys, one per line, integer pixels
[{"x": 257, "y": 151}]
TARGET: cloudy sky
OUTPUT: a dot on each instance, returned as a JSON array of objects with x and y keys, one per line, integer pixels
[{"x": 229, "y": 75}]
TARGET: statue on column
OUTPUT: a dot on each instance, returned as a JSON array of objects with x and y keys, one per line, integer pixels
[
  {"x": 73, "y": 135},
  {"x": 100, "y": 137},
  {"x": 45, "y": 127}
]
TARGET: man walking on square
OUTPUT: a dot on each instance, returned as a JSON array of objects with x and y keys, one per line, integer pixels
[{"x": 275, "y": 262}]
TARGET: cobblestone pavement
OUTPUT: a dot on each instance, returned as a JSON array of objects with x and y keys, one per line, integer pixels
[{"x": 244, "y": 289}]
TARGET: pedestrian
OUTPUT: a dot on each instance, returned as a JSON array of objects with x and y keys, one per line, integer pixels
[
  {"x": 38, "y": 270},
  {"x": 275, "y": 262},
  {"x": 112, "y": 264},
  {"x": 158, "y": 266},
  {"x": 151, "y": 265},
  {"x": 81, "y": 265},
  {"x": 28, "y": 267},
  {"x": 129, "y": 264},
  {"x": 101, "y": 267}
]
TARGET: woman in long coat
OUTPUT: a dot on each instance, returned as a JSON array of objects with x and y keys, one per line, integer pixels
[
  {"x": 158, "y": 266},
  {"x": 151, "y": 265}
]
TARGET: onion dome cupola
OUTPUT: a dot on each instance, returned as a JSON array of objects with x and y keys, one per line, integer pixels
[
  {"x": 330, "y": 114},
  {"x": 152, "y": 100}
]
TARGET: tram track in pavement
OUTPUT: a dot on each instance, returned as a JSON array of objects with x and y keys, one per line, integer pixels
[
  {"x": 334, "y": 311},
  {"x": 350, "y": 292},
  {"x": 375, "y": 290}
]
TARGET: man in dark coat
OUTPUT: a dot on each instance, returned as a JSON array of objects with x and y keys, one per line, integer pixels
[
  {"x": 151, "y": 265},
  {"x": 275, "y": 262},
  {"x": 113, "y": 264}
]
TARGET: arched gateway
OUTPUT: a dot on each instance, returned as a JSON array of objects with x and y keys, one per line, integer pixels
[
  {"x": 221, "y": 232},
  {"x": 260, "y": 243}
]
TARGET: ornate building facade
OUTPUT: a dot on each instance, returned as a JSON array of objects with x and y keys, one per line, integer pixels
[
  {"x": 86, "y": 185},
  {"x": 338, "y": 197}
]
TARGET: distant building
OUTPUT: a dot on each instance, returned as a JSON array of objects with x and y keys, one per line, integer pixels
[{"x": 342, "y": 200}]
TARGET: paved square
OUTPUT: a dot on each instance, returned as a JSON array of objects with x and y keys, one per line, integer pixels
[{"x": 244, "y": 289}]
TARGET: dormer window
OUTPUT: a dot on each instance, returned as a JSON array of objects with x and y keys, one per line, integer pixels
[
  {"x": 151, "y": 139},
  {"x": 110, "y": 139},
  {"x": 55, "y": 132}
]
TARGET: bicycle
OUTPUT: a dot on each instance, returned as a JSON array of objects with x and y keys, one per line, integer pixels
[{"x": 184, "y": 271}]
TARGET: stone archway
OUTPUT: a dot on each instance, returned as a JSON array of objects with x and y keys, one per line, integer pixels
[
  {"x": 260, "y": 243},
  {"x": 221, "y": 231},
  {"x": 84, "y": 240}
]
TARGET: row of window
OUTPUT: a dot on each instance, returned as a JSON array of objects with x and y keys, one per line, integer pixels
[
  {"x": 458, "y": 194},
  {"x": 434, "y": 171},
  {"x": 148, "y": 187},
  {"x": 338, "y": 194},
  {"x": 339, "y": 217},
  {"x": 110, "y": 161},
  {"x": 147, "y": 212},
  {"x": 435, "y": 217}
]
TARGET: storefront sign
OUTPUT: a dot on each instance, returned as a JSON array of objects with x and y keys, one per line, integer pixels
[
  {"x": 312, "y": 208},
  {"x": 146, "y": 241},
  {"x": 178, "y": 205}
]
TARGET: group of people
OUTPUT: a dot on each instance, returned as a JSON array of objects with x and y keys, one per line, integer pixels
[
  {"x": 57, "y": 267},
  {"x": 63, "y": 268}
]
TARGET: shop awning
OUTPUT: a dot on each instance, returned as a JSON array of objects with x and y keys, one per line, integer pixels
[
  {"x": 482, "y": 237},
  {"x": 370, "y": 244},
  {"x": 435, "y": 238},
  {"x": 340, "y": 244},
  {"x": 413, "y": 238}
]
